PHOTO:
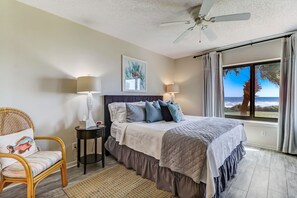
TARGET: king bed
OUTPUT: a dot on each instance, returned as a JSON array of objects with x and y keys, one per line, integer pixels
[{"x": 192, "y": 158}]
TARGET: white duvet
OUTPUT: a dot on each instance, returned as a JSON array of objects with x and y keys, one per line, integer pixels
[{"x": 147, "y": 138}]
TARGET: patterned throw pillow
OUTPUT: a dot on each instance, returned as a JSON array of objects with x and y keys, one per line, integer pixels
[
  {"x": 21, "y": 143},
  {"x": 135, "y": 113},
  {"x": 153, "y": 111}
]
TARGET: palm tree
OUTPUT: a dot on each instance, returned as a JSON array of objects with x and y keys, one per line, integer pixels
[{"x": 266, "y": 71}]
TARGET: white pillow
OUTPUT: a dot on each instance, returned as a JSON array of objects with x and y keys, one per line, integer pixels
[
  {"x": 113, "y": 110},
  {"x": 118, "y": 110},
  {"x": 21, "y": 143}
]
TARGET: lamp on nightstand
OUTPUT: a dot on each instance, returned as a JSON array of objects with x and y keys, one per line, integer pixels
[
  {"x": 89, "y": 85},
  {"x": 172, "y": 89}
]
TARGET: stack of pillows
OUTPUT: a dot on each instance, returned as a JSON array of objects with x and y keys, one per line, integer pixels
[{"x": 153, "y": 112}]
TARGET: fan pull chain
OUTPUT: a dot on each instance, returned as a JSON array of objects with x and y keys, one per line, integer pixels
[
  {"x": 200, "y": 29},
  {"x": 200, "y": 34}
]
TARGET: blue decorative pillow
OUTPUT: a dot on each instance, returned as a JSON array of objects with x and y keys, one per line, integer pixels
[
  {"x": 175, "y": 112},
  {"x": 162, "y": 103},
  {"x": 153, "y": 112},
  {"x": 165, "y": 111},
  {"x": 135, "y": 113}
]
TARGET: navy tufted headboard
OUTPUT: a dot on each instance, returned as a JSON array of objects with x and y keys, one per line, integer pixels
[{"x": 123, "y": 98}]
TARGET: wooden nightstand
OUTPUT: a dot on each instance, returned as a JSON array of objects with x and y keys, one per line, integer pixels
[{"x": 90, "y": 133}]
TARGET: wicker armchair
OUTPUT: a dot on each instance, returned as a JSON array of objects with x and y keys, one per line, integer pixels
[{"x": 12, "y": 121}]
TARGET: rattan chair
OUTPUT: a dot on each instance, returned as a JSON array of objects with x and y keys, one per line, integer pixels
[{"x": 11, "y": 121}]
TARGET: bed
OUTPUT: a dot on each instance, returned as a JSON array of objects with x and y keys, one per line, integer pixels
[{"x": 138, "y": 146}]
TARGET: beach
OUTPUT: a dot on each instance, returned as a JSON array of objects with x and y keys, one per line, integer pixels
[{"x": 264, "y": 106}]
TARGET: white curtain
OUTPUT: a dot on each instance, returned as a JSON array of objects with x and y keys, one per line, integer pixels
[
  {"x": 287, "y": 134},
  {"x": 213, "y": 85}
]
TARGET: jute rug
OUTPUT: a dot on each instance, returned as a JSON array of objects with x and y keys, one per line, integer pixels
[{"x": 116, "y": 182}]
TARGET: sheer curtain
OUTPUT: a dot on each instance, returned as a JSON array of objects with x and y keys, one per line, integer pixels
[
  {"x": 287, "y": 134},
  {"x": 213, "y": 85}
]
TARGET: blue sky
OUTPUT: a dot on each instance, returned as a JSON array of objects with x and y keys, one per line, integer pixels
[{"x": 233, "y": 85}]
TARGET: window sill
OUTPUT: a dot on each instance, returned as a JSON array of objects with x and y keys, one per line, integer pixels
[
  {"x": 262, "y": 123},
  {"x": 254, "y": 120}
]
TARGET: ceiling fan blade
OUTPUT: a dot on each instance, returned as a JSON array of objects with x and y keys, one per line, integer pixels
[
  {"x": 231, "y": 17},
  {"x": 184, "y": 34},
  {"x": 175, "y": 23},
  {"x": 206, "y": 6},
  {"x": 211, "y": 36}
]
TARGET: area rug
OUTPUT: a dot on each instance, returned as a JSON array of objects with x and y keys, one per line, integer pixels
[{"x": 116, "y": 182}]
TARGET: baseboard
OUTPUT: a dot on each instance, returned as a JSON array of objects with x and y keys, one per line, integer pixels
[
  {"x": 261, "y": 146},
  {"x": 71, "y": 164},
  {"x": 68, "y": 165}
]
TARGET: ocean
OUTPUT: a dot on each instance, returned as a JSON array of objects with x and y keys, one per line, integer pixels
[{"x": 260, "y": 101}]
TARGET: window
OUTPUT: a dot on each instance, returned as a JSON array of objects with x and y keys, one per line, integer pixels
[{"x": 252, "y": 91}]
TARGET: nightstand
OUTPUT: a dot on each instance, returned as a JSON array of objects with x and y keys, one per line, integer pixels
[{"x": 85, "y": 134}]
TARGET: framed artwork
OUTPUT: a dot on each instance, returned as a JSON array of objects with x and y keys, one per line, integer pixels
[{"x": 133, "y": 75}]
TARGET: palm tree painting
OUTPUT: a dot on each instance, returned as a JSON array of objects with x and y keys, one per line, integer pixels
[{"x": 133, "y": 74}]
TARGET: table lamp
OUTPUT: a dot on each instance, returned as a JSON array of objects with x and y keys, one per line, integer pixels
[
  {"x": 89, "y": 85},
  {"x": 172, "y": 89}
]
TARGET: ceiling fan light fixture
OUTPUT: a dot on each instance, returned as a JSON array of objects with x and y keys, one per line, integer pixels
[{"x": 198, "y": 14}]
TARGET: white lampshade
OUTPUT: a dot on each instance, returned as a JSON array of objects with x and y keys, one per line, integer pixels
[
  {"x": 88, "y": 84},
  {"x": 172, "y": 88}
]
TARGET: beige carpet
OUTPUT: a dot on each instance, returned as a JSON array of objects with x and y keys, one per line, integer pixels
[{"x": 116, "y": 182}]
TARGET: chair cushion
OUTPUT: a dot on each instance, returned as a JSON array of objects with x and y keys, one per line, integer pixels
[{"x": 39, "y": 162}]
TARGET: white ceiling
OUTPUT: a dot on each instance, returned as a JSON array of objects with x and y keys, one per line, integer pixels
[{"x": 137, "y": 21}]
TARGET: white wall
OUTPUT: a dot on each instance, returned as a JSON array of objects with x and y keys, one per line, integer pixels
[
  {"x": 261, "y": 134},
  {"x": 41, "y": 55},
  {"x": 189, "y": 74},
  {"x": 254, "y": 53}
]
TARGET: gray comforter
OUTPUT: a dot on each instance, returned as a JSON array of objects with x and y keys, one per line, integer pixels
[{"x": 184, "y": 147}]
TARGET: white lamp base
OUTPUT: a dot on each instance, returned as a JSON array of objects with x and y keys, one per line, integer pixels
[
  {"x": 172, "y": 97},
  {"x": 90, "y": 121}
]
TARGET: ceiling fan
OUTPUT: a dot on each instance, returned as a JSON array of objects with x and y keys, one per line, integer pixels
[{"x": 198, "y": 14}]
